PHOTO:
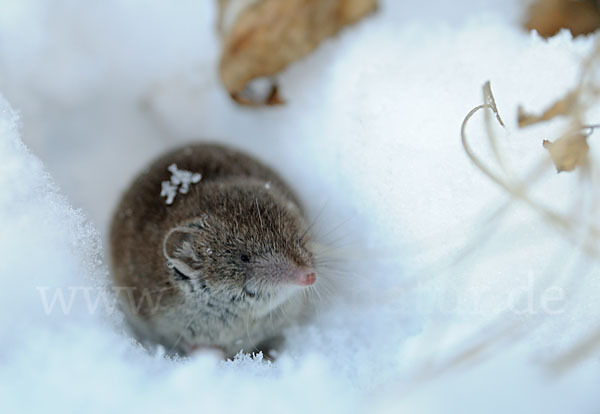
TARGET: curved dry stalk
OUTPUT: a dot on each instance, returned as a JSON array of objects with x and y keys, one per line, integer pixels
[
  {"x": 577, "y": 354},
  {"x": 519, "y": 191},
  {"x": 574, "y": 106}
]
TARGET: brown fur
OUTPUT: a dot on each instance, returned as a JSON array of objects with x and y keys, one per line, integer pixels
[{"x": 217, "y": 260}]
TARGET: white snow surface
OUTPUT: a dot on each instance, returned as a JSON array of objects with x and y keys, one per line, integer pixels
[{"x": 370, "y": 139}]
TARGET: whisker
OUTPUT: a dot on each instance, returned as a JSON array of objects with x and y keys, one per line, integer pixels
[
  {"x": 314, "y": 221},
  {"x": 322, "y": 236}
]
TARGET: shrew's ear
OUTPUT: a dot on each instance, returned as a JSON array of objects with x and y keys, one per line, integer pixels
[{"x": 178, "y": 248}]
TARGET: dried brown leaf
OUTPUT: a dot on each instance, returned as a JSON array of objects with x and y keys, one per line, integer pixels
[
  {"x": 563, "y": 106},
  {"x": 262, "y": 37},
  {"x": 568, "y": 151},
  {"x": 549, "y": 16}
]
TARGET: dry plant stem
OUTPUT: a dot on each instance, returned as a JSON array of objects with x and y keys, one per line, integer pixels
[
  {"x": 430, "y": 367},
  {"x": 498, "y": 335},
  {"x": 519, "y": 192},
  {"x": 488, "y": 98},
  {"x": 577, "y": 354},
  {"x": 563, "y": 223},
  {"x": 481, "y": 346},
  {"x": 591, "y": 129},
  {"x": 465, "y": 252},
  {"x": 484, "y": 342},
  {"x": 504, "y": 330},
  {"x": 483, "y": 229},
  {"x": 493, "y": 219}
]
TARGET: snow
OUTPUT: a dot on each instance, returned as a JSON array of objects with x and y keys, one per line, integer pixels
[
  {"x": 179, "y": 182},
  {"x": 370, "y": 139}
]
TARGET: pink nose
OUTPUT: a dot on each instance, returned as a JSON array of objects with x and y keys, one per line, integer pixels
[{"x": 305, "y": 278}]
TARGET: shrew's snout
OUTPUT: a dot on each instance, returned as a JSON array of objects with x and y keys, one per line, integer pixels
[{"x": 303, "y": 277}]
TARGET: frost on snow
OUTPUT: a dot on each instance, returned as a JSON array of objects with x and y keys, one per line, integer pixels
[{"x": 180, "y": 180}]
